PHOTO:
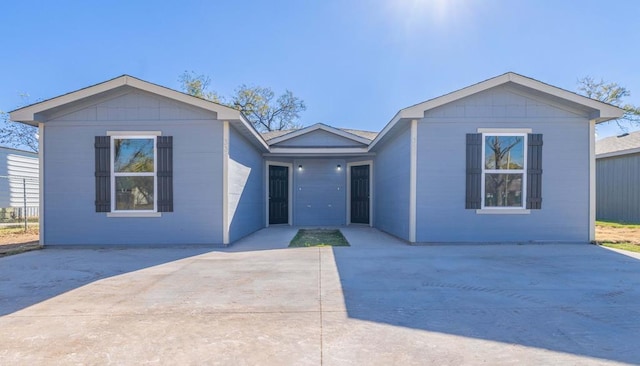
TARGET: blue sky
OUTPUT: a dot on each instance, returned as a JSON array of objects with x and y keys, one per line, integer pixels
[{"x": 354, "y": 63}]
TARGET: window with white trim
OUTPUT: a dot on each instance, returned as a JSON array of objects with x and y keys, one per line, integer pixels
[
  {"x": 133, "y": 177},
  {"x": 504, "y": 170}
]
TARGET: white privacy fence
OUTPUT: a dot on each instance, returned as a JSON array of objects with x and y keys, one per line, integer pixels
[
  {"x": 19, "y": 181},
  {"x": 19, "y": 198}
]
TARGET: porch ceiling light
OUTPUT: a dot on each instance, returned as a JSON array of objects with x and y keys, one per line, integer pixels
[
  {"x": 339, "y": 166},
  {"x": 299, "y": 167}
]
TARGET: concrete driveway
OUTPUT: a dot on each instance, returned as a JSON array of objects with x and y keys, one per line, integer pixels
[{"x": 377, "y": 302}]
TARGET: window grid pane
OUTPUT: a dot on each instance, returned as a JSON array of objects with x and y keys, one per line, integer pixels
[
  {"x": 503, "y": 190},
  {"x": 134, "y": 193},
  {"x": 504, "y": 152},
  {"x": 133, "y": 173},
  {"x": 504, "y": 170},
  {"x": 133, "y": 155}
]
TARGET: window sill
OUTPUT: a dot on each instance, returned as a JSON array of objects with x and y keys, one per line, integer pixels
[
  {"x": 134, "y": 214},
  {"x": 506, "y": 211}
]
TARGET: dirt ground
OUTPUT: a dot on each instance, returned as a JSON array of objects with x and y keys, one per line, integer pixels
[
  {"x": 16, "y": 240},
  {"x": 611, "y": 234},
  {"x": 16, "y": 237}
]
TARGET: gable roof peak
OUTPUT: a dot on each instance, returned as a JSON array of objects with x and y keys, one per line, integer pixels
[
  {"x": 275, "y": 138},
  {"x": 36, "y": 112}
]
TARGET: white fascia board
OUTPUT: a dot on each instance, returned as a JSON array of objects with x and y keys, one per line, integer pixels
[
  {"x": 394, "y": 121},
  {"x": 223, "y": 112},
  {"x": 344, "y": 134},
  {"x": 319, "y": 126},
  {"x": 293, "y": 134},
  {"x": 417, "y": 111},
  {"x": 27, "y": 114},
  {"x": 618, "y": 153},
  {"x": 318, "y": 151},
  {"x": 243, "y": 123},
  {"x": 604, "y": 111}
]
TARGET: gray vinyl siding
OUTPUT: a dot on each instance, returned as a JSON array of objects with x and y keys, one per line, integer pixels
[
  {"x": 441, "y": 214},
  {"x": 70, "y": 216},
  {"x": 319, "y": 192},
  {"x": 618, "y": 188},
  {"x": 319, "y": 138},
  {"x": 391, "y": 180},
  {"x": 246, "y": 189}
]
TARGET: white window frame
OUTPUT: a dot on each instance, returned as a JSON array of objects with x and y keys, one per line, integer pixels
[
  {"x": 508, "y": 209},
  {"x": 139, "y": 136}
]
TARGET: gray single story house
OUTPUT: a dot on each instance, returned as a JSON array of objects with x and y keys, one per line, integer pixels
[
  {"x": 618, "y": 178},
  {"x": 510, "y": 159}
]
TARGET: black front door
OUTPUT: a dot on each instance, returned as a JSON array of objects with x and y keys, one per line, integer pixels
[
  {"x": 360, "y": 194},
  {"x": 278, "y": 194}
]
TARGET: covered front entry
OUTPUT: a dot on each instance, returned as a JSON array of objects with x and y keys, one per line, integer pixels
[
  {"x": 360, "y": 194},
  {"x": 278, "y": 194},
  {"x": 319, "y": 159}
]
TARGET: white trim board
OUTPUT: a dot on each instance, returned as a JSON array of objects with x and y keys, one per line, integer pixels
[
  {"x": 523, "y": 132},
  {"x": 592, "y": 180},
  {"x": 504, "y": 130},
  {"x": 34, "y": 113},
  {"x": 29, "y": 113},
  {"x": 134, "y": 133},
  {"x": 112, "y": 179},
  {"x": 225, "y": 182},
  {"x": 298, "y": 151},
  {"x": 41, "y": 215},
  {"x": 618, "y": 153},
  {"x": 413, "y": 182}
]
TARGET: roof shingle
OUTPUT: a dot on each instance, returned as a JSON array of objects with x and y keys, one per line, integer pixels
[{"x": 622, "y": 142}]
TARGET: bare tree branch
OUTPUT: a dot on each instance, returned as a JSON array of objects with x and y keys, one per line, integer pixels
[
  {"x": 613, "y": 94},
  {"x": 198, "y": 85},
  {"x": 18, "y": 135},
  {"x": 255, "y": 102}
]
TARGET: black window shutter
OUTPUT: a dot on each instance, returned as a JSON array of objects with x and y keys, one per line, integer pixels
[
  {"x": 103, "y": 173},
  {"x": 474, "y": 170},
  {"x": 165, "y": 173},
  {"x": 534, "y": 171}
]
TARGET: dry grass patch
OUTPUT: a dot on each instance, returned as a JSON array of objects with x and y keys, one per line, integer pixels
[
  {"x": 14, "y": 240},
  {"x": 617, "y": 235}
]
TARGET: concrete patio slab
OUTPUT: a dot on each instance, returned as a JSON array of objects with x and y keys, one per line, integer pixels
[{"x": 377, "y": 302}]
